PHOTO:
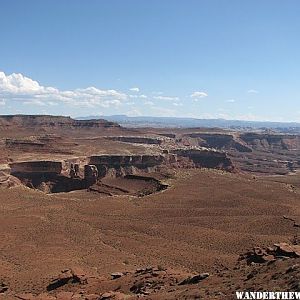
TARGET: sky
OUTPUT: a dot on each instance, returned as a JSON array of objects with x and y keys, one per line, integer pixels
[{"x": 228, "y": 59}]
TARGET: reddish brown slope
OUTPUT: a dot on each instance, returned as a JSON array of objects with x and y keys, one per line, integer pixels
[{"x": 190, "y": 226}]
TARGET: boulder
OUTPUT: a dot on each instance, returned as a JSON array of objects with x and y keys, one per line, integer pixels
[
  {"x": 279, "y": 251},
  {"x": 194, "y": 279},
  {"x": 113, "y": 295},
  {"x": 285, "y": 249},
  {"x": 116, "y": 275},
  {"x": 68, "y": 276},
  {"x": 3, "y": 287}
]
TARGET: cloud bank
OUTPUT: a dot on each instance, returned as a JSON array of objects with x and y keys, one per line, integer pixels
[{"x": 17, "y": 87}]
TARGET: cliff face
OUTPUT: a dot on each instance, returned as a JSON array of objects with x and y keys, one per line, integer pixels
[
  {"x": 120, "y": 165},
  {"x": 206, "y": 158},
  {"x": 33, "y": 167},
  {"x": 66, "y": 175},
  {"x": 32, "y": 121},
  {"x": 220, "y": 141},
  {"x": 24, "y": 145},
  {"x": 271, "y": 141},
  {"x": 139, "y": 161},
  {"x": 136, "y": 139}
]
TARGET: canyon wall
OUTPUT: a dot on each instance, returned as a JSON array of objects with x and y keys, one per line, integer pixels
[
  {"x": 33, "y": 167},
  {"x": 206, "y": 158},
  {"x": 120, "y": 165},
  {"x": 136, "y": 139},
  {"x": 268, "y": 141},
  {"x": 220, "y": 141},
  {"x": 47, "y": 121},
  {"x": 139, "y": 161}
]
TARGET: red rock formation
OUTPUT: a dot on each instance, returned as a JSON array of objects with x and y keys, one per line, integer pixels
[
  {"x": 45, "y": 167},
  {"x": 220, "y": 141},
  {"x": 47, "y": 121},
  {"x": 271, "y": 141},
  {"x": 125, "y": 164},
  {"x": 206, "y": 158},
  {"x": 136, "y": 139}
]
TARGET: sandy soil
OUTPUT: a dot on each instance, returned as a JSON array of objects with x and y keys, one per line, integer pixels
[{"x": 206, "y": 217}]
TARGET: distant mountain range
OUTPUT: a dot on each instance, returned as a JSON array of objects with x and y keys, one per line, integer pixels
[{"x": 191, "y": 122}]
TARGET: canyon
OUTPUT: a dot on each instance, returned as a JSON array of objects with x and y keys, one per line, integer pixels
[{"x": 93, "y": 210}]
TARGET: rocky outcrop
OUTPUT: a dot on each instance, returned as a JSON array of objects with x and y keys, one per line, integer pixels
[
  {"x": 68, "y": 276},
  {"x": 282, "y": 272},
  {"x": 51, "y": 183},
  {"x": 278, "y": 251},
  {"x": 269, "y": 141},
  {"x": 220, "y": 141},
  {"x": 121, "y": 165},
  {"x": 168, "y": 135},
  {"x": 206, "y": 158},
  {"x": 87, "y": 173},
  {"x": 141, "y": 283},
  {"x": 136, "y": 139},
  {"x": 8, "y": 181},
  {"x": 91, "y": 174},
  {"x": 48, "y": 177},
  {"x": 34, "y": 167},
  {"x": 24, "y": 144},
  {"x": 3, "y": 287},
  {"x": 44, "y": 143},
  {"x": 194, "y": 279},
  {"x": 139, "y": 161},
  {"x": 45, "y": 176}
]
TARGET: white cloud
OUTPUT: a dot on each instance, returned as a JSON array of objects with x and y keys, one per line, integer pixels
[
  {"x": 50, "y": 103},
  {"x": 252, "y": 91},
  {"x": 129, "y": 103},
  {"x": 2, "y": 102},
  {"x": 17, "y": 87},
  {"x": 230, "y": 100},
  {"x": 134, "y": 89},
  {"x": 149, "y": 103},
  {"x": 138, "y": 96},
  {"x": 166, "y": 98},
  {"x": 177, "y": 104},
  {"x": 17, "y": 83},
  {"x": 35, "y": 102},
  {"x": 198, "y": 95}
]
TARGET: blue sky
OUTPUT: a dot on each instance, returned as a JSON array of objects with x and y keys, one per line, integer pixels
[{"x": 197, "y": 58}]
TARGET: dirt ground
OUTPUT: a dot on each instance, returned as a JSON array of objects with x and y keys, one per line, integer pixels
[{"x": 206, "y": 217}]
